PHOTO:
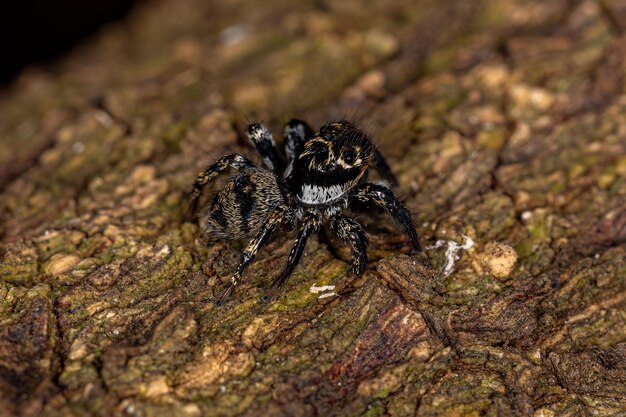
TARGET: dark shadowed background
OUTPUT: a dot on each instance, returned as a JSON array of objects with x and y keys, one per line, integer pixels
[{"x": 37, "y": 31}]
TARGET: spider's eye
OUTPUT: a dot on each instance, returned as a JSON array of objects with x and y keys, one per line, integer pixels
[{"x": 349, "y": 156}]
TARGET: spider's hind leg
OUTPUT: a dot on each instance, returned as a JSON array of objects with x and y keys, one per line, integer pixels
[
  {"x": 276, "y": 218},
  {"x": 262, "y": 139},
  {"x": 234, "y": 161}
]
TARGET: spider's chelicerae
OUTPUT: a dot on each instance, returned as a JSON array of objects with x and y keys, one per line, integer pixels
[{"x": 324, "y": 174}]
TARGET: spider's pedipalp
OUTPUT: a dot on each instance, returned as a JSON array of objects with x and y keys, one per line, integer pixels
[
  {"x": 234, "y": 161},
  {"x": 262, "y": 139},
  {"x": 369, "y": 194},
  {"x": 351, "y": 233}
]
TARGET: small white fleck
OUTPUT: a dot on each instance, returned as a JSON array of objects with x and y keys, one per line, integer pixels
[
  {"x": 130, "y": 409},
  {"x": 78, "y": 147},
  {"x": 468, "y": 242},
  {"x": 232, "y": 35},
  {"x": 597, "y": 256},
  {"x": 223, "y": 388},
  {"x": 452, "y": 252},
  {"x": 326, "y": 295},
  {"x": 165, "y": 250},
  {"x": 116, "y": 332},
  {"x": 315, "y": 289},
  {"x": 437, "y": 245},
  {"x": 527, "y": 215},
  {"x": 104, "y": 118}
]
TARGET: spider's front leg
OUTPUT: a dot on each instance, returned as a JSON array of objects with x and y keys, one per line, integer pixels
[
  {"x": 351, "y": 233},
  {"x": 310, "y": 225},
  {"x": 295, "y": 134},
  {"x": 262, "y": 139},
  {"x": 367, "y": 194},
  {"x": 234, "y": 161},
  {"x": 275, "y": 219}
]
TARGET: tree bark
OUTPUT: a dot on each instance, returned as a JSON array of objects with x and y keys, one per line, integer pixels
[{"x": 505, "y": 122}]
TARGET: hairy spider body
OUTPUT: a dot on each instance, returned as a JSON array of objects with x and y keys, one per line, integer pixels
[
  {"x": 241, "y": 207},
  {"x": 325, "y": 174}
]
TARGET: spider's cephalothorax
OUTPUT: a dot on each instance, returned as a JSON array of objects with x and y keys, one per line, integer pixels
[
  {"x": 324, "y": 175},
  {"x": 331, "y": 163}
]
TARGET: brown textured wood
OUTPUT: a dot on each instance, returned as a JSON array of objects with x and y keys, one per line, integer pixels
[{"x": 504, "y": 122}]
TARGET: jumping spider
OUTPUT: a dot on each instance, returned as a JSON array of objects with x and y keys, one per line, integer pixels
[{"x": 325, "y": 173}]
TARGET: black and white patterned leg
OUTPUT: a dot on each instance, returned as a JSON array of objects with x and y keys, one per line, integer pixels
[
  {"x": 351, "y": 233},
  {"x": 295, "y": 134},
  {"x": 234, "y": 161},
  {"x": 367, "y": 194},
  {"x": 310, "y": 226},
  {"x": 262, "y": 139},
  {"x": 274, "y": 220}
]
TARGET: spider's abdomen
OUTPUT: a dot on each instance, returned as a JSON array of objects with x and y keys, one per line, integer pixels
[{"x": 240, "y": 208}]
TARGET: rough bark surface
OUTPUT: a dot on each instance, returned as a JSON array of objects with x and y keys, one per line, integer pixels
[{"x": 505, "y": 122}]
